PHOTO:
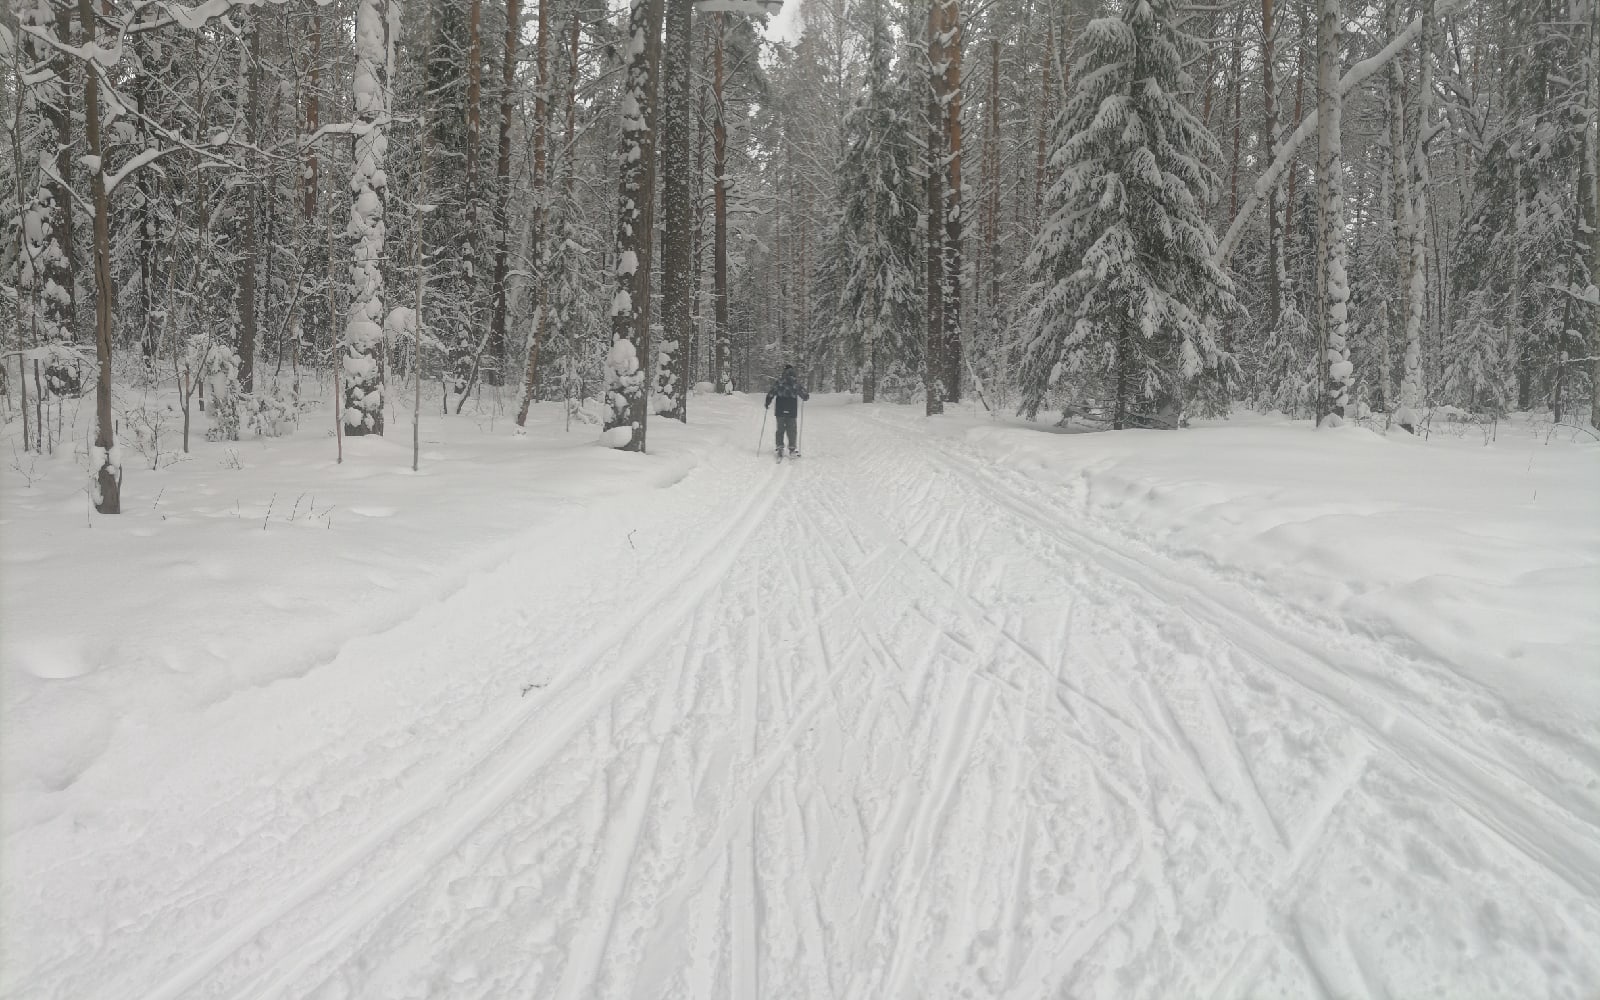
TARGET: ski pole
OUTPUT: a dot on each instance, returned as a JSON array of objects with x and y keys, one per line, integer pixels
[
  {"x": 760, "y": 437},
  {"x": 800, "y": 434}
]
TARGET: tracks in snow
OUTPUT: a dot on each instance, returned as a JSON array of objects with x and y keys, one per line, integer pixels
[{"x": 897, "y": 723}]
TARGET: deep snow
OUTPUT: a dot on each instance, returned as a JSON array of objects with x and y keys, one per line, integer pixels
[{"x": 946, "y": 708}]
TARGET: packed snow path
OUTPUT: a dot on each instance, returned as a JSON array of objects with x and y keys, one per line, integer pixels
[{"x": 886, "y": 722}]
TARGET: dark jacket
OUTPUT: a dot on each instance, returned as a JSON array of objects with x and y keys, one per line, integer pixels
[{"x": 785, "y": 391}]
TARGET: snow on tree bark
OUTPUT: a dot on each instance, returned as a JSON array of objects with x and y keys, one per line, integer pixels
[
  {"x": 362, "y": 362},
  {"x": 627, "y": 389},
  {"x": 1333, "y": 282}
]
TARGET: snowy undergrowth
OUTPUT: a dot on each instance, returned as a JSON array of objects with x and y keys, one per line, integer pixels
[
  {"x": 1483, "y": 553},
  {"x": 247, "y": 562}
]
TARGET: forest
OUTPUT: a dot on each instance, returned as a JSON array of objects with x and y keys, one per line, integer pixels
[
  {"x": 1135, "y": 212},
  {"x": 1169, "y": 570}
]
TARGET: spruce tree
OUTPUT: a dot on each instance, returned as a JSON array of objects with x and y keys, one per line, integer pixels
[
  {"x": 1122, "y": 269},
  {"x": 878, "y": 301}
]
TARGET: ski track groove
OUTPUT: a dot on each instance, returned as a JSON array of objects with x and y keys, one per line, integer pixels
[
  {"x": 679, "y": 597},
  {"x": 1442, "y": 762},
  {"x": 1016, "y": 815}
]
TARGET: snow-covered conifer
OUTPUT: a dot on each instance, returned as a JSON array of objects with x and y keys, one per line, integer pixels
[
  {"x": 879, "y": 301},
  {"x": 1123, "y": 266}
]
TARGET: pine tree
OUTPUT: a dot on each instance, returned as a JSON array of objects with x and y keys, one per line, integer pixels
[{"x": 1123, "y": 267}]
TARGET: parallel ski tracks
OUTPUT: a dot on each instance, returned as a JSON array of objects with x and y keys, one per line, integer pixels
[
  {"x": 501, "y": 762},
  {"x": 1542, "y": 830}
]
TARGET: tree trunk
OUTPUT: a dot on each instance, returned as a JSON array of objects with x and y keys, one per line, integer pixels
[
  {"x": 473, "y": 225},
  {"x": 1299, "y": 112},
  {"x": 950, "y": 96},
  {"x": 1590, "y": 198},
  {"x": 719, "y": 248},
  {"x": 992, "y": 156},
  {"x": 148, "y": 227},
  {"x": 672, "y": 379},
  {"x": 1400, "y": 205},
  {"x": 363, "y": 332},
  {"x": 1333, "y": 286},
  {"x": 541, "y": 196},
  {"x": 1046, "y": 124},
  {"x": 1269, "y": 144},
  {"x": 697, "y": 355},
  {"x": 502, "y": 179},
  {"x": 627, "y": 385},
  {"x": 1415, "y": 268},
  {"x": 247, "y": 274},
  {"x": 104, "y": 461},
  {"x": 933, "y": 360}
]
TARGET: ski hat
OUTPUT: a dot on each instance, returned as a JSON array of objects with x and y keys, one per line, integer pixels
[{"x": 788, "y": 369}]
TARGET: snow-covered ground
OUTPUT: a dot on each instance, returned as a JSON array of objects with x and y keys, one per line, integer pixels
[{"x": 948, "y": 708}]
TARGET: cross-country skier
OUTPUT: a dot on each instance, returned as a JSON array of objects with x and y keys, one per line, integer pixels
[{"x": 785, "y": 391}]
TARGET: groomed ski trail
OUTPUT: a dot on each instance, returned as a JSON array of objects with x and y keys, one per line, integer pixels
[{"x": 888, "y": 723}]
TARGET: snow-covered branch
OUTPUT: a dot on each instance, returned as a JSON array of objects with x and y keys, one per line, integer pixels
[{"x": 1269, "y": 178}]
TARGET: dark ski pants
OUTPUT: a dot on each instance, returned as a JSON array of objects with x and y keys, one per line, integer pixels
[{"x": 786, "y": 426}]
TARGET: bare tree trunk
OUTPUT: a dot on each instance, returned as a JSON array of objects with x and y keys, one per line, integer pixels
[
  {"x": 1269, "y": 144},
  {"x": 541, "y": 128},
  {"x": 1590, "y": 197},
  {"x": 1299, "y": 112},
  {"x": 148, "y": 228},
  {"x": 933, "y": 360},
  {"x": 950, "y": 97},
  {"x": 1046, "y": 123},
  {"x": 494, "y": 346},
  {"x": 672, "y": 379},
  {"x": 502, "y": 173},
  {"x": 719, "y": 248},
  {"x": 697, "y": 355},
  {"x": 992, "y": 155},
  {"x": 247, "y": 275},
  {"x": 107, "y": 469}
]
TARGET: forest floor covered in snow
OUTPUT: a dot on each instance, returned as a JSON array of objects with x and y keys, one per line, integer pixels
[{"x": 948, "y": 707}]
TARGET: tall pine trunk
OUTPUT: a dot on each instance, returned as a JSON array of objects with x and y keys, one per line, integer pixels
[
  {"x": 950, "y": 97},
  {"x": 247, "y": 272},
  {"x": 719, "y": 249},
  {"x": 672, "y": 378},
  {"x": 502, "y": 172},
  {"x": 933, "y": 360},
  {"x": 1269, "y": 151}
]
